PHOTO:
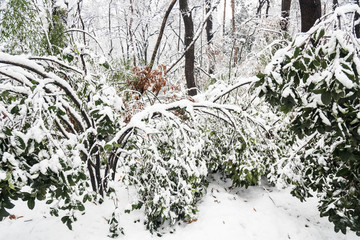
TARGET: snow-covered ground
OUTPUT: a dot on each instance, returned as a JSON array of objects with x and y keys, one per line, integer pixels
[{"x": 256, "y": 213}]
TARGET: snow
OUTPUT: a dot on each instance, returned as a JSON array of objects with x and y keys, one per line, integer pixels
[
  {"x": 256, "y": 213},
  {"x": 324, "y": 119},
  {"x": 343, "y": 79}
]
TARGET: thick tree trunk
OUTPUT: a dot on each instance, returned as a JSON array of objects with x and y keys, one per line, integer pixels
[
  {"x": 310, "y": 12},
  {"x": 356, "y": 17},
  {"x": 285, "y": 14},
  {"x": 209, "y": 37},
  {"x": 190, "y": 53}
]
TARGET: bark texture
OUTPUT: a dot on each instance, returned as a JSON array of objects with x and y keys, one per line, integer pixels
[
  {"x": 190, "y": 53},
  {"x": 166, "y": 16},
  {"x": 285, "y": 14},
  {"x": 209, "y": 37}
]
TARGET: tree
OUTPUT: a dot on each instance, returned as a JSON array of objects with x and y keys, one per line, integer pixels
[
  {"x": 310, "y": 12},
  {"x": 209, "y": 37},
  {"x": 158, "y": 41},
  {"x": 189, "y": 47},
  {"x": 235, "y": 47},
  {"x": 356, "y": 19},
  {"x": 285, "y": 13},
  {"x": 261, "y": 5}
]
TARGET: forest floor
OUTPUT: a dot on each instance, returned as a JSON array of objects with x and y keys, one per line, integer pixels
[{"x": 256, "y": 213}]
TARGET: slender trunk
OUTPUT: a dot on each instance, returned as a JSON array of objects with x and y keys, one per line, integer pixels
[
  {"x": 179, "y": 38},
  {"x": 209, "y": 37},
  {"x": 234, "y": 31},
  {"x": 310, "y": 12},
  {"x": 261, "y": 5},
  {"x": 81, "y": 21},
  {"x": 267, "y": 8},
  {"x": 131, "y": 33},
  {"x": 167, "y": 13},
  {"x": 285, "y": 14},
  {"x": 111, "y": 41},
  {"x": 190, "y": 54},
  {"x": 224, "y": 17}
]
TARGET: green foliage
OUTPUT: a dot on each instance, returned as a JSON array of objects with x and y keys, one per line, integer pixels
[
  {"x": 317, "y": 80},
  {"x": 170, "y": 175},
  {"x": 32, "y": 168},
  {"x": 57, "y": 32},
  {"x": 23, "y": 30},
  {"x": 20, "y": 28}
]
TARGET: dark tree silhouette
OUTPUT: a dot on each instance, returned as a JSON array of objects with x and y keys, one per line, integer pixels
[
  {"x": 310, "y": 12},
  {"x": 190, "y": 48}
]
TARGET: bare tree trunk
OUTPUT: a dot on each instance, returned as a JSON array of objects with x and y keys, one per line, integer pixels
[
  {"x": 224, "y": 17},
  {"x": 167, "y": 13},
  {"x": 267, "y": 8},
  {"x": 234, "y": 31},
  {"x": 285, "y": 14},
  {"x": 131, "y": 33},
  {"x": 261, "y": 5},
  {"x": 111, "y": 40},
  {"x": 179, "y": 39},
  {"x": 190, "y": 53},
  {"x": 209, "y": 37},
  {"x": 81, "y": 20},
  {"x": 310, "y": 12}
]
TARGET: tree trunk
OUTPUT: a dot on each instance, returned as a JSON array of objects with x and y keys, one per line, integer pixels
[
  {"x": 132, "y": 47},
  {"x": 167, "y": 13},
  {"x": 234, "y": 31},
  {"x": 310, "y": 12},
  {"x": 209, "y": 37},
  {"x": 261, "y": 5},
  {"x": 335, "y": 4},
  {"x": 190, "y": 53},
  {"x": 285, "y": 14},
  {"x": 356, "y": 18},
  {"x": 224, "y": 17},
  {"x": 110, "y": 32}
]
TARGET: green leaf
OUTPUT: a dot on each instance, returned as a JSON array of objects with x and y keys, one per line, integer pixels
[
  {"x": 326, "y": 98},
  {"x": 297, "y": 52},
  {"x": 7, "y": 131},
  {"x": 344, "y": 172},
  {"x": 22, "y": 143},
  {"x": 260, "y": 75},
  {"x": 321, "y": 34},
  {"x": 31, "y": 203},
  {"x": 3, "y": 213},
  {"x": 64, "y": 219},
  {"x": 81, "y": 207}
]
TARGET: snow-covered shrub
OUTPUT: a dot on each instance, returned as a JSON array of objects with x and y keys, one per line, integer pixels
[
  {"x": 241, "y": 140},
  {"x": 316, "y": 79},
  {"x": 40, "y": 157},
  {"x": 168, "y": 170}
]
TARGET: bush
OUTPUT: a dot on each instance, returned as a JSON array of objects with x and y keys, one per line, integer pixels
[{"x": 316, "y": 79}]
